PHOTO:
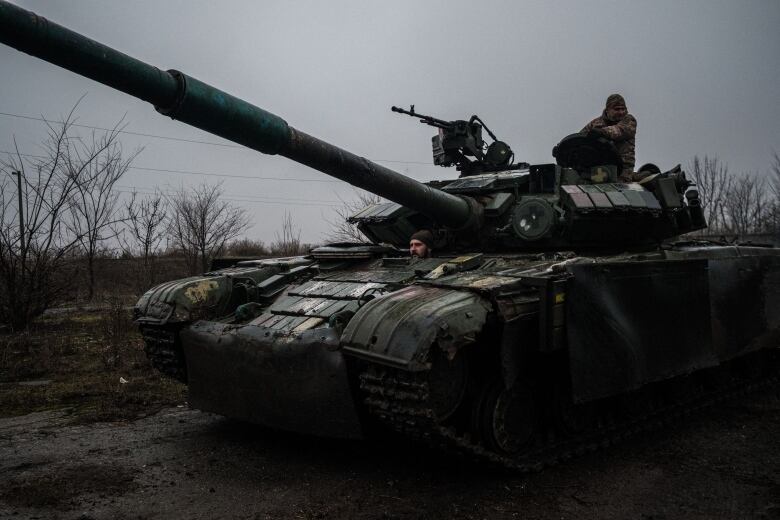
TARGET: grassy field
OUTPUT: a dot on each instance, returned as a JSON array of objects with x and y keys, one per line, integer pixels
[{"x": 88, "y": 362}]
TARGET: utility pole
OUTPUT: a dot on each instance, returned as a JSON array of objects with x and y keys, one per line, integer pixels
[{"x": 21, "y": 216}]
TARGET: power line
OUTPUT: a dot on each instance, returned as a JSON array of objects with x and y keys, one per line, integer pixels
[
  {"x": 270, "y": 200},
  {"x": 206, "y": 174},
  {"x": 261, "y": 198},
  {"x": 233, "y": 198},
  {"x": 180, "y": 139},
  {"x": 233, "y": 176}
]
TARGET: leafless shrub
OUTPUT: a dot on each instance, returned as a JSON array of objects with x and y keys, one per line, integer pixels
[
  {"x": 341, "y": 229},
  {"x": 775, "y": 174},
  {"x": 288, "y": 239},
  {"x": 145, "y": 228},
  {"x": 714, "y": 183},
  {"x": 247, "y": 247},
  {"x": 741, "y": 204},
  {"x": 97, "y": 164},
  {"x": 201, "y": 224},
  {"x": 115, "y": 325},
  {"x": 747, "y": 205},
  {"x": 774, "y": 188}
]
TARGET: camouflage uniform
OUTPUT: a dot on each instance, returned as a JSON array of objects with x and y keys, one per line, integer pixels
[{"x": 621, "y": 132}]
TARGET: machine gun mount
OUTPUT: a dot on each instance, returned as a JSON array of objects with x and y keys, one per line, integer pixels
[{"x": 460, "y": 139}]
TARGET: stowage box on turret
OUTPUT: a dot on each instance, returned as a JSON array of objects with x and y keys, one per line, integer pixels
[{"x": 555, "y": 315}]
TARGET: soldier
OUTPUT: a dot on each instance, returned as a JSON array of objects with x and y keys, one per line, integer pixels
[
  {"x": 617, "y": 125},
  {"x": 421, "y": 244}
]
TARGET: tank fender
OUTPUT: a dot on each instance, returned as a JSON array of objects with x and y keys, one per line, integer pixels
[
  {"x": 398, "y": 329},
  {"x": 289, "y": 380}
]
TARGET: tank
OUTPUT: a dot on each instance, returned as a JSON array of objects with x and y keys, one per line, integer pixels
[{"x": 557, "y": 315}]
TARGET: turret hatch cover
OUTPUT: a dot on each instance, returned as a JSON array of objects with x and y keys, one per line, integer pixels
[{"x": 580, "y": 151}]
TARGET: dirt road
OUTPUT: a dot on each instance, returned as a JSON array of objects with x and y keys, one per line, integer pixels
[{"x": 181, "y": 463}]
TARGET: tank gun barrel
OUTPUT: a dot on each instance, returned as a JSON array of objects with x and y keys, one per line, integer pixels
[{"x": 193, "y": 102}]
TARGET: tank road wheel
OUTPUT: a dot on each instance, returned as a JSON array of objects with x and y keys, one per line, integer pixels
[
  {"x": 447, "y": 383},
  {"x": 505, "y": 419}
]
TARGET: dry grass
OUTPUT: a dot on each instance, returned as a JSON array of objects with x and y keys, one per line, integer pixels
[{"x": 91, "y": 363}]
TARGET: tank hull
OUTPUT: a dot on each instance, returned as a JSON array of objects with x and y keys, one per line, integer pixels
[{"x": 590, "y": 332}]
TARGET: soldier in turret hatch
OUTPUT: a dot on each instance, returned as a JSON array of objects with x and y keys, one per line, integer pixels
[
  {"x": 617, "y": 125},
  {"x": 421, "y": 244}
]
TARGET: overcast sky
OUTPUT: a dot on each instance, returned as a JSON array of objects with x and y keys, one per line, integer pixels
[{"x": 701, "y": 77}]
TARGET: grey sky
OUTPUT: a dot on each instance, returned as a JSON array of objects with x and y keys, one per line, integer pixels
[{"x": 701, "y": 77}]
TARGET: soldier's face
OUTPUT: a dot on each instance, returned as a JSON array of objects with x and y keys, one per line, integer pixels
[
  {"x": 418, "y": 248},
  {"x": 616, "y": 112}
]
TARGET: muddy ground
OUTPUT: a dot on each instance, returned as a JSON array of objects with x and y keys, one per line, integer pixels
[
  {"x": 95, "y": 448},
  {"x": 182, "y": 463}
]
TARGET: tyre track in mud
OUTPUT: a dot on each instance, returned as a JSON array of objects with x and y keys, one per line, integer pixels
[{"x": 720, "y": 463}]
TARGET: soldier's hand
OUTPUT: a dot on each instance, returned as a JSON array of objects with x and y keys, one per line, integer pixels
[{"x": 596, "y": 132}]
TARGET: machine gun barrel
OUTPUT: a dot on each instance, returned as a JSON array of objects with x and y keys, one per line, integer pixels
[
  {"x": 428, "y": 120},
  {"x": 193, "y": 102}
]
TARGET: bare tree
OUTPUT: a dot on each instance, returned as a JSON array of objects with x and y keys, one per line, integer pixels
[
  {"x": 202, "y": 223},
  {"x": 775, "y": 172},
  {"x": 36, "y": 254},
  {"x": 145, "y": 227},
  {"x": 746, "y": 205},
  {"x": 97, "y": 165},
  {"x": 774, "y": 185},
  {"x": 714, "y": 183},
  {"x": 341, "y": 229},
  {"x": 288, "y": 238}
]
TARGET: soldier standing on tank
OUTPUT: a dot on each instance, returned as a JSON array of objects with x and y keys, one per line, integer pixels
[
  {"x": 617, "y": 125},
  {"x": 421, "y": 244}
]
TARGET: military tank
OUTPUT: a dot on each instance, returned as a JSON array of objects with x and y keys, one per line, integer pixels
[{"x": 555, "y": 317}]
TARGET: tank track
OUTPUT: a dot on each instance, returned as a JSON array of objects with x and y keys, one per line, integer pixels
[
  {"x": 163, "y": 348},
  {"x": 399, "y": 400}
]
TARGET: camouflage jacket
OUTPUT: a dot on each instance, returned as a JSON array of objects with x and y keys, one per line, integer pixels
[{"x": 622, "y": 133}]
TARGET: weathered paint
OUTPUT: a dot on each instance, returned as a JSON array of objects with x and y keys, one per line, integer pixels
[
  {"x": 201, "y": 292},
  {"x": 401, "y": 327}
]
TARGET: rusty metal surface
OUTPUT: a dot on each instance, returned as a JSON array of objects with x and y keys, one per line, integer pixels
[
  {"x": 350, "y": 251},
  {"x": 291, "y": 381},
  {"x": 334, "y": 289},
  {"x": 315, "y": 302},
  {"x": 478, "y": 281},
  {"x": 400, "y": 328},
  {"x": 374, "y": 275}
]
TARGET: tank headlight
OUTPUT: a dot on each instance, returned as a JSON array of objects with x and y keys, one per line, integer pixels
[{"x": 533, "y": 218}]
